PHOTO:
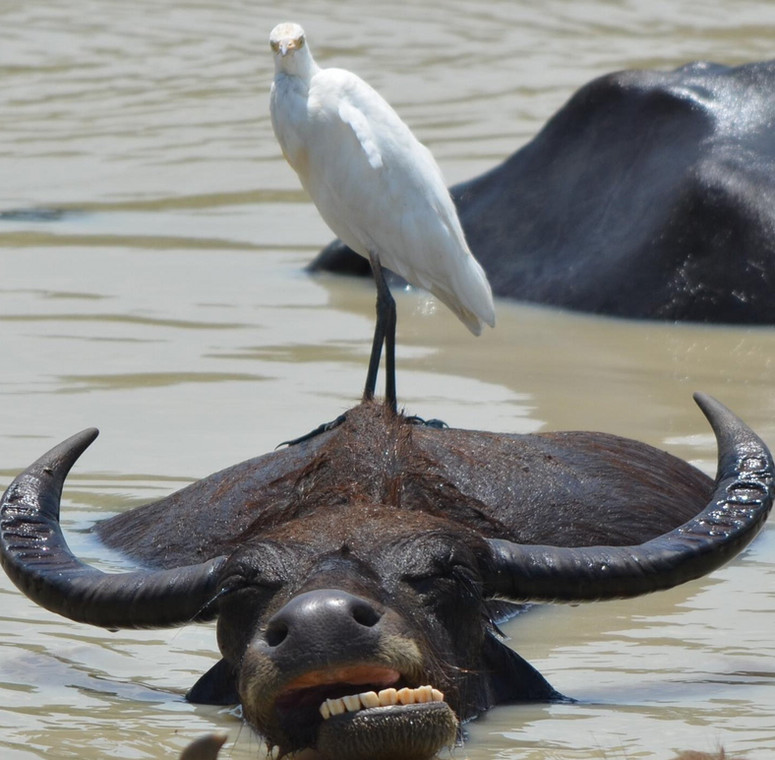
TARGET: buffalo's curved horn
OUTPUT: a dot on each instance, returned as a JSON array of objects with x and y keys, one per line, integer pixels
[
  {"x": 37, "y": 559},
  {"x": 741, "y": 500}
]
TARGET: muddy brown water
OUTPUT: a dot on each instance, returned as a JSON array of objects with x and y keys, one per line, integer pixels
[{"x": 161, "y": 298}]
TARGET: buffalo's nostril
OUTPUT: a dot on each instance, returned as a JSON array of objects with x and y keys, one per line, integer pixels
[
  {"x": 276, "y": 633},
  {"x": 323, "y": 618},
  {"x": 364, "y": 614}
]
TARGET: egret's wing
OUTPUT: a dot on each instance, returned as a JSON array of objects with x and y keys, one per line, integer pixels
[
  {"x": 359, "y": 124},
  {"x": 349, "y": 137},
  {"x": 380, "y": 190}
]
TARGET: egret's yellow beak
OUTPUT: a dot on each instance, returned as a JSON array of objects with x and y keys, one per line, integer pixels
[
  {"x": 288, "y": 46},
  {"x": 284, "y": 46}
]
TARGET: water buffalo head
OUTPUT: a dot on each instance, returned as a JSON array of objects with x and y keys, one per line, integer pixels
[
  {"x": 347, "y": 622},
  {"x": 356, "y": 577}
]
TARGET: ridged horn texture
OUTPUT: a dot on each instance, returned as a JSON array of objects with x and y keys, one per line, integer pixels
[
  {"x": 741, "y": 500},
  {"x": 36, "y": 558}
]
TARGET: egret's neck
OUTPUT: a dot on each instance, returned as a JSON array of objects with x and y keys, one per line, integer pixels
[{"x": 297, "y": 64}]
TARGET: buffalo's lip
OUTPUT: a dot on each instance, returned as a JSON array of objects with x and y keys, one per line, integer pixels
[{"x": 314, "y": 687}]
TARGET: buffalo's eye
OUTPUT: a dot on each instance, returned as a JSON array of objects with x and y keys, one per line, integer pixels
[
  {"x": 241, "y": 584},
  {"x": 445, "y": 578},
  {"x": 427, "y": 584},
  {"x": 232, "y": 583}
]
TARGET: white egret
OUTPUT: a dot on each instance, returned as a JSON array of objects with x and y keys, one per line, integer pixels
[{"x": 377, "y": 187}]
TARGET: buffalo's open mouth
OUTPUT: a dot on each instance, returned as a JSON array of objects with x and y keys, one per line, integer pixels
[{"x": 365, "y": 711}]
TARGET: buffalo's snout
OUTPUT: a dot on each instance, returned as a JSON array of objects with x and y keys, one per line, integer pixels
[{"x": 325, "y": 617}]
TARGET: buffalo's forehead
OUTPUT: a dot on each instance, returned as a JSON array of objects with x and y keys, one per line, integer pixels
[
  {"x": 358, "y": 544},
  {"x": 366, "y": 528}
]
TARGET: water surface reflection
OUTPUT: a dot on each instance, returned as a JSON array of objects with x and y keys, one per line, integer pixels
[{"x": 163, "y": 300}]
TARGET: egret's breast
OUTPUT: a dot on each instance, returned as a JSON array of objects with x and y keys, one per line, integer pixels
[{"x": 290, "y": 122}]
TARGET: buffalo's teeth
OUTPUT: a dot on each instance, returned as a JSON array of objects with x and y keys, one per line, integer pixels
[
  {"x": 385, "y": 698},
  {"x": 423, "y": 694},
  {"x": 335, "y": 706},
  {"x": 406, "y": 696},
  {"x": 388, "y": 697},
  {"x": 369, "y": 699}
]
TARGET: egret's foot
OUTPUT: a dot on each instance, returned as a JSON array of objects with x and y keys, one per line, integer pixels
[
  {"x": 324, "y": 428},
  {"x": 438, "y": 424}
]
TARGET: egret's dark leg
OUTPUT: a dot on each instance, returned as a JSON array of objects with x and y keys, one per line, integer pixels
[
  {"x": 384, "y": 332},
  {"x": 390, "y": 355}
]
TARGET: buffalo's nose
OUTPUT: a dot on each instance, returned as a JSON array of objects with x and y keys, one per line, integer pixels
[{"x": 320, "y": 616}]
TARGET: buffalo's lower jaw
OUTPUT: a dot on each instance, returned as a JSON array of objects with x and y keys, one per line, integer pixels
[
  {"x": 410, "y": 732},
  {"x": 416, "y": 731},
  {"x": 356, "y": 712}
]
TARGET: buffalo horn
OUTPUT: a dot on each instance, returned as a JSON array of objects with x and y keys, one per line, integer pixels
[
  {"x": 741, "y": 500},
  {"x": 36, "y": 557}
]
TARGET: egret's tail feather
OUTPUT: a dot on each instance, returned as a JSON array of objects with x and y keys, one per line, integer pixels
[
  {"x": 473, "y": 320},
  {"x": 470, "y": 297}
]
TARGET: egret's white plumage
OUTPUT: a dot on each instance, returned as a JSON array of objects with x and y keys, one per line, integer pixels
[{"x": 374, "y": 184}]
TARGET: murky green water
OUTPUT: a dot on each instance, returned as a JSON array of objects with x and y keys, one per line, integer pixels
[{"x": 166, "y": 305}]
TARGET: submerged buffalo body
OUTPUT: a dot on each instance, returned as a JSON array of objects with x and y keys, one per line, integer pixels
[
  {"x": 357, "y": 576},
  {"x": 649, "y": 194}
]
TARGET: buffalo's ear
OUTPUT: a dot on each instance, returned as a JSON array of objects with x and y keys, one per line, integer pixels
[
  {"x": 216, "y": 687},
  {"x": 513, "y": 679}
]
